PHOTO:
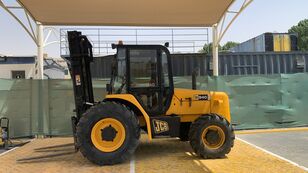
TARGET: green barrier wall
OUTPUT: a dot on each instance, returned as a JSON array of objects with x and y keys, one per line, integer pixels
[{"x": 44, "y": 107}]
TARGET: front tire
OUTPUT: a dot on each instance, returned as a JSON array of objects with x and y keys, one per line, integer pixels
[
  {"x": 211, "y": 136},
  {"x": 108, "y": 133}
]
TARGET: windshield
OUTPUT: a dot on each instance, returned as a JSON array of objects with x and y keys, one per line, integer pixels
[
  {"x": 143, "y": 68},
  {"x": 148, "y": 67}
]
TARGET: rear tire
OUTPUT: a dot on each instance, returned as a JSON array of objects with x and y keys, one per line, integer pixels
[
  {"x": 211, "y": 136},
  {"x": 108, "y": 133}
]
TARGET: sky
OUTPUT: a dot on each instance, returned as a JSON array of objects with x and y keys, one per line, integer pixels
[{"x": 260, "y": 17}]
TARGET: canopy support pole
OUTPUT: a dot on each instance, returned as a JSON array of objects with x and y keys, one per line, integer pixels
[
  {"x": 40, "y": 51},
  {"x": 215, "y": 50}
]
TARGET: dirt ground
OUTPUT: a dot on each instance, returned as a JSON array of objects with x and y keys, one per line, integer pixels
[{"x": 160, "y": 155}]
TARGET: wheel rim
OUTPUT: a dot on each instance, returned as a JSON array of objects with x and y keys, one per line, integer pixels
[
  {"x": 108, "y": 135},
  {"x": 213, "y": 137}
]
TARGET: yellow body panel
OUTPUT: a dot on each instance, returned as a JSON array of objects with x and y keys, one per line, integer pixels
[
  {"x": 130, "y": 98},
  {"x": 186, "y": 105},
  {"x": 220, "y": 105}
]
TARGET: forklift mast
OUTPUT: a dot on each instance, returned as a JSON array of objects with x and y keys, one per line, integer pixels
[{"x": 79, "y": 66}]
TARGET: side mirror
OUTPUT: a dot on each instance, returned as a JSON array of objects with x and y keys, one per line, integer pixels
[{"x": 108, "y": 88}]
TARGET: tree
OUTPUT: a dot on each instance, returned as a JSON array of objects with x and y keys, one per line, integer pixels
[
  {"x": 301, "y": 29},
  {"x": 207, "y": 48},
  {"x": 228, "y": 46}
]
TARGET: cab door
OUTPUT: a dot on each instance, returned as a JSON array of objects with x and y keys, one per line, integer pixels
[{"x": 150, "y": 78}]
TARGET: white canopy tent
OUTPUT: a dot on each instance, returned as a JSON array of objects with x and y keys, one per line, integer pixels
[
  {"x": 192, "y": 13},
  {"x": 127, "y": 12}
]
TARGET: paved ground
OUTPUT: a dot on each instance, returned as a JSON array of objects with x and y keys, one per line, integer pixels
[
  {"x": 160, "y": 155},
  {"x": 1, "y": 151},
  {"x": 14, "y": 142},
  {"x": 292, "y": 145}
]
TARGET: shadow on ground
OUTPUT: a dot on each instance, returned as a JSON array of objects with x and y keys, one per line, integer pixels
[{"x": 159, "y": 155}]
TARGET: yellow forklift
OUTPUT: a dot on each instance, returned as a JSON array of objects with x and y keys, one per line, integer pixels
[{"x": 141, "y": 96}]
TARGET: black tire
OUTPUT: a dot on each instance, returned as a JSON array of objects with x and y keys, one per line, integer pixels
[
  {"x": 184, "y": 130},
  {"x": 196, "y": 141},
  {"x": 108, "y": 110}
]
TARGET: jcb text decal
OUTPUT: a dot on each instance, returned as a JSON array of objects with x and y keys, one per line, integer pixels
[{"x": 160, "y": 126}]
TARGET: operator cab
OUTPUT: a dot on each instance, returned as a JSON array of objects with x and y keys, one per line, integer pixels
[{"x": 145, "y": 72}]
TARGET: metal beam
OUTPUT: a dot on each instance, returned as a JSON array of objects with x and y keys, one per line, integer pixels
[
  {"x": 8, "y": 10},
  {"x": 236, "y": 13},
  {"x": 51, "y": 30}
]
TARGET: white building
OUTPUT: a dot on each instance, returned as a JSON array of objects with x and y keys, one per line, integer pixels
[{"x": 13, "y": 67}]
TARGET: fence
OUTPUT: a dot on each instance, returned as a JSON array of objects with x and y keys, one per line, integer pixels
[
  {"x": 189, "y": 40},
  {"x": 229, "y": 64},
  {"x": 45, "y": 106}
]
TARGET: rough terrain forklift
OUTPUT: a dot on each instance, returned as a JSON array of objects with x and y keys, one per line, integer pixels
[{"x": 141, "y": 95}]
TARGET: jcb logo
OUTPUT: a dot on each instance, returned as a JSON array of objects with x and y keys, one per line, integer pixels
[{"x": 160, "y": 126}]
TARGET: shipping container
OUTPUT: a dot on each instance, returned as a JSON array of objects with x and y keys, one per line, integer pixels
[
  {"x": 269, "y": 42},
  {"x": 256, "y": 63}
]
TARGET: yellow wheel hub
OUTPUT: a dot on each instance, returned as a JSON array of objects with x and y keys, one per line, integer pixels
[
  {"x": 213, "y": 137},
  {"x": 115, "y": 138}
]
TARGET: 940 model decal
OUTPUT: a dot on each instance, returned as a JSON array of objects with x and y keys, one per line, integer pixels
[{"x": 201, "y": 97}]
